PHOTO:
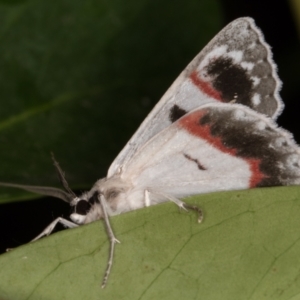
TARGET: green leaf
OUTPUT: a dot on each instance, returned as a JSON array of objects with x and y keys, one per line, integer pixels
[
  {"x": 246, "y": 248},
  {"x": 78, "y": 77}
]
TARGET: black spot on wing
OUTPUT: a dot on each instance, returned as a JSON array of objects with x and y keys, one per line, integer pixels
[
  {"x": 231, "y": 80},
  {"x": 82, "y": 207},
  {"x": 196, "y": 161},
  {"x": 176, "y": 113}
]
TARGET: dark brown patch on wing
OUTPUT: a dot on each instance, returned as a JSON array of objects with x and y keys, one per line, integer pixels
[
  {"x": 250, "y": 142},
  {"x": 273, "y": 159},
  {"x": 176, "y": 113},
  {"x": 231, "y": 80}
]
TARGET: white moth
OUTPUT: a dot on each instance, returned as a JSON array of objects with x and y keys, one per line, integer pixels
[{"x": 213, "y": 130}]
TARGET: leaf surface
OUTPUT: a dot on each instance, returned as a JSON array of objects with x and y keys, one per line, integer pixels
[{"x": 246, "y": 248}]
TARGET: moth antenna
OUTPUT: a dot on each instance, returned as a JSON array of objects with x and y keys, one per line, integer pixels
[
  {"x": 61, "y": 176},
  {"x": 112, "y": 239},
  {"x": 42, "y": 190},
  {"x": 66, "y": 196}
]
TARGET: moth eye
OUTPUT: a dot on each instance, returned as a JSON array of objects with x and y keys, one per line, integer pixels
[{"x": 82, "y": 207}]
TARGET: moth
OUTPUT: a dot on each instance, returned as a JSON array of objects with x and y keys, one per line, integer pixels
[{"x": 213, "y": 130}]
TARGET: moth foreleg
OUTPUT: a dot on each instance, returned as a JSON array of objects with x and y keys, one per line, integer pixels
[
  {"x": 52, "y": 225},
  {"x": 50, "y": 228},
  {"x": 186, "y": 207}
]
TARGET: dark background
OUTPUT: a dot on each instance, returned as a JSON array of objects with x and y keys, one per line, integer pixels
[{"x": 20, "y": 222}]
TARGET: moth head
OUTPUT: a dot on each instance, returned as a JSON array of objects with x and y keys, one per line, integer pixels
[
  {"x": 111, "y": 193},
  {"x": 82, "y": 206},
  {"x": 65, "y": 194},
  {"x": 88, "y": 207}
]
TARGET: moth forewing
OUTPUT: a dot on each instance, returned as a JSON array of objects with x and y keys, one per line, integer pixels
[{"x": 236, "y": 65}]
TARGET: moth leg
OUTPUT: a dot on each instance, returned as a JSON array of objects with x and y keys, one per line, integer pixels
[
  {"x": 50, "y": 228},
  {"x": 186, "y": 207},
  {"x": 52, "y": 225},
  {"x": 196, "y": 209},
  {"x": 113, "y": 240},
  {"x": 147, "y": 199}
]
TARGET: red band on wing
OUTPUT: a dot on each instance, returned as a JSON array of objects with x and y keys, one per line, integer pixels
[
  {"x": 204, "y": 86},
  {"x": 256, "y": 175},
  {"x": 192, "y": 125}
]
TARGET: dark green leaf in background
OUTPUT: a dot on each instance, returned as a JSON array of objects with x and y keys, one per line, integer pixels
[{"x": 77, "y": 77}]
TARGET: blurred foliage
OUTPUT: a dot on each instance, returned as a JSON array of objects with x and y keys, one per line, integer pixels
[{"x": 78, "y": 77}]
